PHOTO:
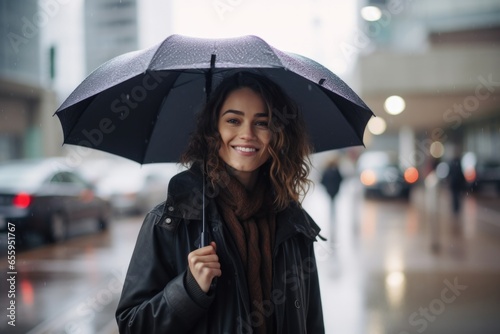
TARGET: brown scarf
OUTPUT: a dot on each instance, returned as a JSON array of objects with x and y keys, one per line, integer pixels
[{"x": 250, "y": 219}]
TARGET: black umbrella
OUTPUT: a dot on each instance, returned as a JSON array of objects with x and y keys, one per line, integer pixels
[{"x": 142, "y": 105}]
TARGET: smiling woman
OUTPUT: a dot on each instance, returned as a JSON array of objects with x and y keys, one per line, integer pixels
[
  {"x": 251, "y": 150},
  {"x": 256, "y": 110},
  {"x": 245, "y": 136}
]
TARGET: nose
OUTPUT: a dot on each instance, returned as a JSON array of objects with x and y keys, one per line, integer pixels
[{"x": 247, "y": 131}]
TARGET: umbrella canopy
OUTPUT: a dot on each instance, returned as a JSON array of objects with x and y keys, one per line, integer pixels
[{"x": 142, "y": 105}]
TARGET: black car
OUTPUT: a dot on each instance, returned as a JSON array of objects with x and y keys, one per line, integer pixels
[
  {"x": 49, "y": 198},
  {"x": 380, "y": 174},
  {"x": 484, "y": 175}
]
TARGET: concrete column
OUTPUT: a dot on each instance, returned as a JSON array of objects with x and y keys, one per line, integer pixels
[{"x": 406, "y": 146}]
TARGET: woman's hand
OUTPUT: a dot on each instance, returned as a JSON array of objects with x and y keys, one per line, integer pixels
[{"x": 204, "y": 265}]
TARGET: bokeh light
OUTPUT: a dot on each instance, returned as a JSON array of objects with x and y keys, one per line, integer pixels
[
  {"x": 437, "y": 149},
  {"x": 442, "y": 170},
  {"x": 371, "y": 13},
  {"x": 377, "y": 125},
  {"x": 394, "y": 105}
]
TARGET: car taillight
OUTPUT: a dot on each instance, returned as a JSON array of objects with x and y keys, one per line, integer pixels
[
  {"x": 368, "y": 177},
  {"x": 22, "y": 200},
  {"x": 411, "y": 175},
  {"x": 470, "y": 175}
]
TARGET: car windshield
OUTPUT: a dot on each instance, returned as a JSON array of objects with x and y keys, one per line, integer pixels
[{"x": 19, "y": 176}]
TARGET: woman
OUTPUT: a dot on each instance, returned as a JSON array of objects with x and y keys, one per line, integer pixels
[{"x": 258, "y": 274}]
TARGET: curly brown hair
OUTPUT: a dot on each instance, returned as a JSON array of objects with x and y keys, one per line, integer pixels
[{"x": 288, "y": 166}]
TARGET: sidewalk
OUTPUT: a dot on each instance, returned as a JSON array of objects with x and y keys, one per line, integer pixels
[{"x": 382, "y": 275}]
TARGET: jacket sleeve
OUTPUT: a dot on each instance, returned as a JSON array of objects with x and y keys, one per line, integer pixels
[
  {"x": 154, "y": 297},
  {"x": 315, "y": 322}
]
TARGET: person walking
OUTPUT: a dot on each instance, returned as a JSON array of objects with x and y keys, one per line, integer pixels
[
  {"x": 331, "y": 180},
  {"x": 457, "y": 183},
  {"x": 432, "y": 205},
  {"x": 248, "y": 169}
]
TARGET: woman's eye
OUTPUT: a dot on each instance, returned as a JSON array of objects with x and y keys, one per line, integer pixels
[
  {"x": 232, "y": 121},
  {"x": 262, "y": 123}
]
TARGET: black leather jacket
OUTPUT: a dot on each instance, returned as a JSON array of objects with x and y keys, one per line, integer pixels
[{"x": 155, "y": 299}]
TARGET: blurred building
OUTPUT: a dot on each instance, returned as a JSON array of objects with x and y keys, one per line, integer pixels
[
  {"x": 111, "y": 28},
  {"x": 50, "y": 47},
  {"x": 23, "y": 98},
  {"x": 442, "y": 58}
]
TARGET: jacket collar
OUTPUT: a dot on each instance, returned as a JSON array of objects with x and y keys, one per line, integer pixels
[
  {"x": 185, "y": 195},
  {"x": 185, "y": 200}
]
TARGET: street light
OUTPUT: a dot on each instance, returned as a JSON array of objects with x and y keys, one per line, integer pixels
[
  {"x": 371, "y": 13},
  {"x": 394, "y": 105}
]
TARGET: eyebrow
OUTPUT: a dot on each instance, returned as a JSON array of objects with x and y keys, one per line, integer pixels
[{"x": 241, "y": 113}]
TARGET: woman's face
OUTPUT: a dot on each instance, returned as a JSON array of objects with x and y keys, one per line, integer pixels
[{"x": 243, "y": 127}]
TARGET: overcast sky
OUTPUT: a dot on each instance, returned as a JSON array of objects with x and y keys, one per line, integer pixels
[{"x": 314, "y": 28}]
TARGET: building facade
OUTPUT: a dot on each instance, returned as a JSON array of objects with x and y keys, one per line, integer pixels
[{"x": 442, "y": 58}]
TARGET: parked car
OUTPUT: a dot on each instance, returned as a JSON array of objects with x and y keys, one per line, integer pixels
[
  {"x": 481, "y": 174},
  {"x": 488, "y": 173},
  {"x": 134, "y": 189},
  {"x": 381, "y": 174},
  {"x": 46, "y": 197}
]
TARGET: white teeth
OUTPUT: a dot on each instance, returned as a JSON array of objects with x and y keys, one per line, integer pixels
[{"x": 245, "y": 149}]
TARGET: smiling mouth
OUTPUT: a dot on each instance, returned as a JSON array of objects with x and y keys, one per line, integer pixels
[{"x": 245, "y": 149}]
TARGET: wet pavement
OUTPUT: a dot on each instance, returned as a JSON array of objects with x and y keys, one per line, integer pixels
[
  {"x": 72, "y": 287},
  {"x": 388, "y": 267},
  {"x": 395, "y": 269}
]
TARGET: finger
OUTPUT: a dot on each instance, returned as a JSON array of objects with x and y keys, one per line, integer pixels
[
  {"x": 203, "y": 251},
  {"x": 206, "y": 273},
  {"x": 210, "y": 264},
  {"x": 206, "y": 260},
  {"x": 199, "y": 263},
  {"x": 197, "y": 260}
]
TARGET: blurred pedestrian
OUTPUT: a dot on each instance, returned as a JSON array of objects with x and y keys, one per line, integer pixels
[
  {"x": 457, "y": 183},
  {"x": 432, "y": 188},
  {"x": 331, "y": 177},
  {"x": 258, "y": 274},
  {"x": 331, "y": 180}
]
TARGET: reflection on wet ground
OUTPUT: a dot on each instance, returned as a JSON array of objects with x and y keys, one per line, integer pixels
[
  {"x": 394, "y": 269},
  {"x": 72, "y": 287},
  {"x": 433, "y": 302},
  {"x": 388, "y": 267}
]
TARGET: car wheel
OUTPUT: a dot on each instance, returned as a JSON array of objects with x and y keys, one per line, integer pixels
[{"x": 57, "y": 229}]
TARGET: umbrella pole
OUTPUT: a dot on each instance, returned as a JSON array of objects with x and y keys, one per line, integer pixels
[
  {"x": 208, "y": 90},
  {"x": 204, "y": 235}
]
